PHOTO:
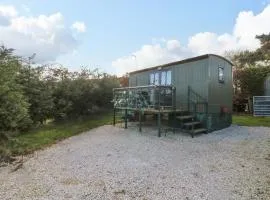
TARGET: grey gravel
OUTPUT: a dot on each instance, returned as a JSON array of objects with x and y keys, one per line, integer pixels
[{"x": 113, "y": 163}]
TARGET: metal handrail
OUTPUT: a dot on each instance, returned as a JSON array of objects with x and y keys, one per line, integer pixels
[
  {"x": 143, "y": 87},
  {"x": 196, "y": 99}
]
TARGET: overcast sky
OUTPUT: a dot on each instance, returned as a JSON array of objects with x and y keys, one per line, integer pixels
[{"x": 120, "y": 36}]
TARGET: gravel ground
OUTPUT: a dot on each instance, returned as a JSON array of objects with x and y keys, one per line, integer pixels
[{"x": 113, "y": 163}]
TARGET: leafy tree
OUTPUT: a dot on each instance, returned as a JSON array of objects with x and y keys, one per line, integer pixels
[
  {"x": 13, "y": 104},
  {"x": 83, "y": 93},
  {"x": 124, "y": 80},
  {"x": 30, "y": 95},
  {"x": 260, "y": 56},
  {"x": 251, "y": 70},
  {"x": 38, "y": 93}
]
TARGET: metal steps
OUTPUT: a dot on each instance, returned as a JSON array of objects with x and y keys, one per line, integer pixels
[
  {"x": 190, "y": 125},
  {"x": 200, "y": 130},
  {"x": 185, "y": 117}
]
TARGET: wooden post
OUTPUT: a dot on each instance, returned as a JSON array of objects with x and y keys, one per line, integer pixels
[
  {"x": 174, "y": 108},
  {"x": 188, "y": 98},
  {"x": 159, "y": 124},
  {"x": 114, "y": 108},
  {"x": 140, "y": 120},
  {"x": 159, "y": 115},
  {"x": 126, "y": 108},
  {"x": 207, "y": 115},
  {"x": 126, "y": 118},
  {"x": 114, "y": 111}
]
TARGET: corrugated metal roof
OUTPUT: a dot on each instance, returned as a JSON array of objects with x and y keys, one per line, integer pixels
[{"x": 181, "y": 62}]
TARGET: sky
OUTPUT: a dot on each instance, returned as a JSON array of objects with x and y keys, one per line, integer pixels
[{"x": 119, "y": 36}]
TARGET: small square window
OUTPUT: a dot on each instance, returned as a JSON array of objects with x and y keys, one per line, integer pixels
[{"x": 221, "y": 74}]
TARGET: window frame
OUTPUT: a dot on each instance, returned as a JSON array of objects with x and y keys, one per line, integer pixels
[
  {"x": 167, "y": 77},
  {"x": 157, "y": 77},
  {"x": 221, "y": 78},
  {"x": 152, "y": 79}
]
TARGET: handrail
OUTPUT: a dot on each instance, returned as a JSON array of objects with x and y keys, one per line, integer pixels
[
  {"x": 143, "y": 87},
  {"x": 192, "y": 92},
  {"x": 195, "y": 99}
]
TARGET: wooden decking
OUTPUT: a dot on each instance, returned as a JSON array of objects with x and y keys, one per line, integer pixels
[{"x": 152, "y": 110}]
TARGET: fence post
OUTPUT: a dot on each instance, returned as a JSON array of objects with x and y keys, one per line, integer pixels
[
  {"x": 126, "y": 108},
  {"x": 174, "y": 108},
  {"x": 140, "y": 119},
  {"x": 206, "y": 107},
  {"x": 188, "y": 98},
  {"x": 114, "y": 116},
  {"x": 159, "y": 115}
]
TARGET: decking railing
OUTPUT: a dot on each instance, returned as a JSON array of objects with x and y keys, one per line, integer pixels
[
  {"x": 140, "y": 97},
  {"x": 153, "y": 98}
]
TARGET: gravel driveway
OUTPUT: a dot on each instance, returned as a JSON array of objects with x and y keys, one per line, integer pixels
[{"x": 113, "y": 163}]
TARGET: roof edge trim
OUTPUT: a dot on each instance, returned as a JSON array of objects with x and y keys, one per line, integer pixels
[{"x": 182, "y": 62}]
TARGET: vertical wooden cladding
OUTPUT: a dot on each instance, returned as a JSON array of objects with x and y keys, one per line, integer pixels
[
  {"x": 220, "y": 93},
  {"x": 194, "y": 74},
  {"x": 139, "y": 79}
]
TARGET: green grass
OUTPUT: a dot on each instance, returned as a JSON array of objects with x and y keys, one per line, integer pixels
[
  {"x": 51, "y": 133},
  {"x": 247, "y": 120}
]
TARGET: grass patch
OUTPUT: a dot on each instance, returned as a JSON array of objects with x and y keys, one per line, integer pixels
[
  {"x": 51, "y": 133},
  {"x": 248, "y": 120}
]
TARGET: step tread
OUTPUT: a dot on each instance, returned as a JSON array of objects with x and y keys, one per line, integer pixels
[
  {"x": 192, "y": 123},
  {"x": 185, "y": 117},
  {"x": 199, "y": 130}
]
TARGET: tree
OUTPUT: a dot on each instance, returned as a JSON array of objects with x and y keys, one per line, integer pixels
[
  {"x": 124, "y": 80},
  {"x": 30, "y": 95},
  {"x": 37, "y": 92},
  {"x": 260, "y": 56},
  {"x": 13, "y": 104},
  {"x": 250, "y": 71}
]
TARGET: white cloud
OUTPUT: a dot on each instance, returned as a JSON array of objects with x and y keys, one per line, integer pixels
[
  {"x": 79, "y": 26},
  {"x": 5, "y": 13},
  {"x": 45, "y": 35},
  {"x": 150, "y": 55},
  {"x": 242, "y": 36},
  {"x": 8, "y": 11}
]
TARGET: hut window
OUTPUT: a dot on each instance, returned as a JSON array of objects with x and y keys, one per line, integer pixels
[
  {"x": 156, "y": 78},
  {"x": 221, "y": 74},
  {"x": 163, "y": 78},
  {"x": 152, "y": 79},
  {"x": 169, "y": 78}
]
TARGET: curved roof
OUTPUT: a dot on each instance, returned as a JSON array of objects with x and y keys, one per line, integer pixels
[{"x": 181, "y": 62}]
